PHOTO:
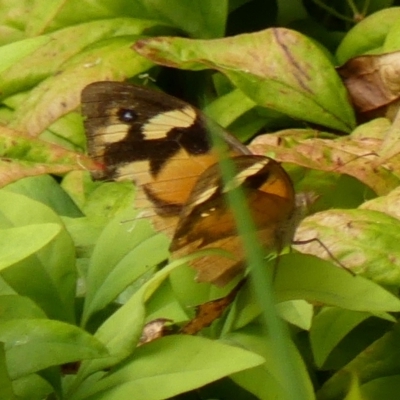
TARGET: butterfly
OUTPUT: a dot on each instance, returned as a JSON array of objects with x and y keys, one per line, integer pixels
[{"x": 165, "y": 146}]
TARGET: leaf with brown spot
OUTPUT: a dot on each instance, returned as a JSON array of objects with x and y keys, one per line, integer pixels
[
  {"x": 276, "y": 68},
  {"x": 365, "y": 241},
  {"x": 355, "y": 155},
  {"x": 22, "y": 156}
]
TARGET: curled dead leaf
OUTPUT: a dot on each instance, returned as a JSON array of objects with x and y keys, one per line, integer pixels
[
  {"x": 154, "y": 330},
  {"x": 372, "y": 80}
]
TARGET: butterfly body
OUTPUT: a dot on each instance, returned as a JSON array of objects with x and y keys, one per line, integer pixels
[{"x": 164, "y": 145}]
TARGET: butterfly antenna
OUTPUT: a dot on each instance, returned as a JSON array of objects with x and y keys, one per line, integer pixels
[{"x": 307, "y": 241}]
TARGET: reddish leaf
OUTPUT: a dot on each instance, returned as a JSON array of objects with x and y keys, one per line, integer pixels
[
  {"x": 23, "y": 156},
  {"x": 355, "y": 155}
]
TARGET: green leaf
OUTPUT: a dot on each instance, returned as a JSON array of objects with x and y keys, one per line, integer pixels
[
  {"x": 392, "y": 42},
  {"x": 354, "y": 393},
  {"x": 32, "y": 387},
  {"x": 169, "y": 366},
  {"x": 368, "y": 34},
  {"x": 198, "y": 18},
  {"x": 6, "y": 389},
  {"x": 245, "y": 119},
  {"x": 313, "y": 149},
  {"x": 289, "y": 10},
  {"x": 35, "y": 344},
  {"x": 46, "y": 190},
  {"x": 100, "y": 203},
  {"x": 13, "y": 19},
  {"x": 164, "y": 304},
  {"x": 297, "y": 312},
  {"x": 14, "y": 306},
  {"x": 191, "y": 293},
  {"x": 387, "y": 387},
  {"x": 23, "y": 241},
  {"x": 221, "y": 109},
  {"x": 67, "y": 132},
  {"x": 379, "y": 360},
  {"x": 53, "y": 50},
  {"x": 329, "y": 327},
  {"x": 276, "y": 68},
  {"x": 122, "y": 330},
  {"x": 114, "y": 265},
  {"x": 246, "y": 309},
  {"x": 130, "y": 268},
  {"x": 108, "y": 199},
  {"x": 48, "y": 277},
  {"x": 266, "y": 381},
  {"x": 13, "y": 53},
  {"x": 301, "y": 276}
]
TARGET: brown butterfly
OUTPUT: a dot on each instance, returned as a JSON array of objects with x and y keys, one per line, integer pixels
[{"x": 164, "y": 145}]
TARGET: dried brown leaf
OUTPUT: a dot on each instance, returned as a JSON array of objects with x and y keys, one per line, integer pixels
[
  {"x": 373, "y": 80},
  {"x": 154, "y": 330}
]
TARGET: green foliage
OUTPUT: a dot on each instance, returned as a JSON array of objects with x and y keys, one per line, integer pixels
[{"x": 81, "y": 273}]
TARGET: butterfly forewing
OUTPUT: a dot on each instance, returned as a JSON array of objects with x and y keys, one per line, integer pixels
[{"x": 154, "y": 139}]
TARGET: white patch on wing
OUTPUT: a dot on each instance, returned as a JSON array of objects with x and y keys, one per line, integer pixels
[
  {"x": 243, "y": 175},
  {"x": 114, "y": 133},
  {"x": 204, "y": 196},
  {"x": 159, "y": 126},
  {"x": 133, "y": 170}
]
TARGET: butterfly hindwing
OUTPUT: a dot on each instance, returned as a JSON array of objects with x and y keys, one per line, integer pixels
[{"x": 207, "y": 221}]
